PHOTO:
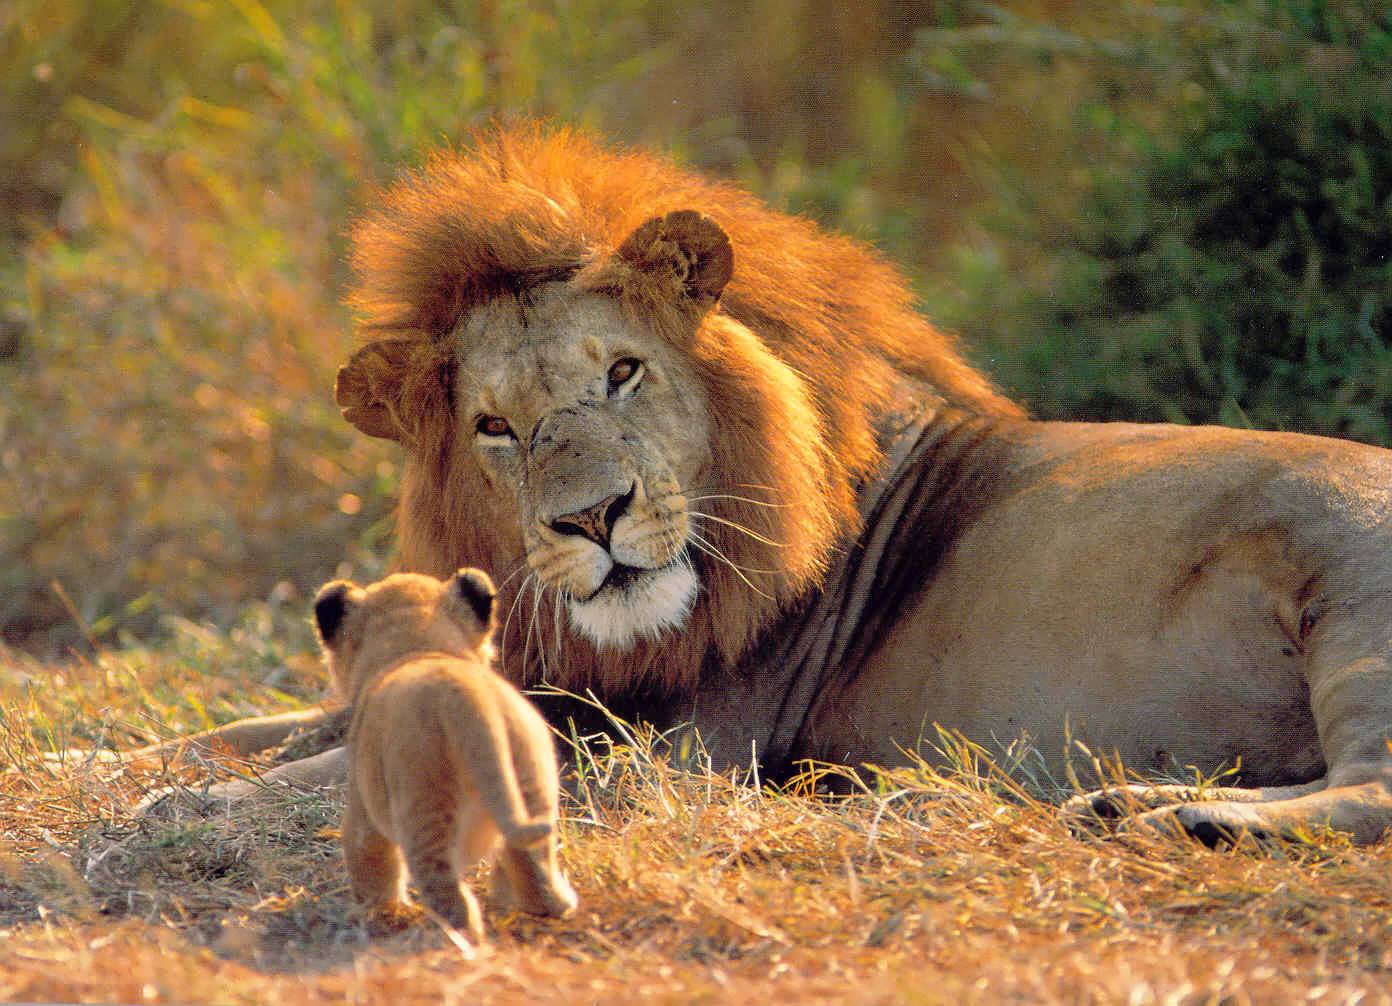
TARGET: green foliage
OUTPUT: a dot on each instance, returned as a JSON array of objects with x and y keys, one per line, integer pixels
[{"x": 1242, "y": 272}]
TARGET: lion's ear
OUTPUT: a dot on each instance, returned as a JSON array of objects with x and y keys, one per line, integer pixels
[
  {"x": 686, "y": 249},
  {"x": 390, "y": 389}
]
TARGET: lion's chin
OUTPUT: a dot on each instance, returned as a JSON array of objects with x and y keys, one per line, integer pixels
[{"x": 645, "y": 603}]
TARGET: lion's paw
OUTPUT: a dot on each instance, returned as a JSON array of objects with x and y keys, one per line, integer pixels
[
  {"x": 1104, "y": 809},
  {"x": 1214, "y": 824}
]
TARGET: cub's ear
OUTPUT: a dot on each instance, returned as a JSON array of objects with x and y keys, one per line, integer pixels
[
  {"x": 474, "y": 586},
  {"x": 686, "y": 249},
  {"x": 396, "y": 389},
  {"x": 330, "y": 606}
]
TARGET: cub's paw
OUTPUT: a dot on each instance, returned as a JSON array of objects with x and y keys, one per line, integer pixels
[{"x": 391, "y": 917}]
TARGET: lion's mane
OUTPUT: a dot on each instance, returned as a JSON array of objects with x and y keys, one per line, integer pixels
[{"x": 522, "y": 206}]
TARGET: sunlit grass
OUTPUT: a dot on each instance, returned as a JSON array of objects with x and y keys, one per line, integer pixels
[{"x": 951, "y": 879}]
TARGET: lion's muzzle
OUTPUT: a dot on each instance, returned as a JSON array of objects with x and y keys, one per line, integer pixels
[{"x": 608, "y": 527}]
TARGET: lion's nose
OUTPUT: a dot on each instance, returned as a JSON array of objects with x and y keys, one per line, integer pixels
[{"x": 595, "y": 522}]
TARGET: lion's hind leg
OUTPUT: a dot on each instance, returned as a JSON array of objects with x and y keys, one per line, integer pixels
[
  {"x": 1364, "y": 811},
  {"x": 1351, "y": 699},
  {"x": 1350, "y": 683}
]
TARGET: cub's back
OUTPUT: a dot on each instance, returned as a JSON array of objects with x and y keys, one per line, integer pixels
[{"x": 439, "y": 720}]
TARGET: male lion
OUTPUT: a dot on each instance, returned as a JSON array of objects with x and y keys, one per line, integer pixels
[
  {"x": 444, "y": 755},
  {"x": 752, "y": 490}
]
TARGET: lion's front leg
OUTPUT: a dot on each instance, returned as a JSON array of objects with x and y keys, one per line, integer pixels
[
  {"x": 311, "y": 755},
  {"x": 328, "y": 768},
  {"x": 238, "y": 739},
  {"x": 1364, "y": 811}
]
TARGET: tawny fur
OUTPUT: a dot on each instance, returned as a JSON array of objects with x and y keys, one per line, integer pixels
[{"x": 445, "y": 756}]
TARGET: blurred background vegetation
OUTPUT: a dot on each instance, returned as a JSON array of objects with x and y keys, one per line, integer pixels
[{"x": 1170, "y": 210}]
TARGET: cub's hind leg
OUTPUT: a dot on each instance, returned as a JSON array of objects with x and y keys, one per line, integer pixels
[
  {"x": 374, "y": 864},
  {"x": 430, "y": 844}
]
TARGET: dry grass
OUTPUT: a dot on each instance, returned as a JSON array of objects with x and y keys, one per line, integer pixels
[{"x": 920, "y": 887}]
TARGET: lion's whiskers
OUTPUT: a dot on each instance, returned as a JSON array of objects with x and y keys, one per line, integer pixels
[
  {"x": 678, "y": 549},
  {"x": 538, "y": 589},
  {"x": 741, "y": 499},
  {"x": 556, "y": 621},
  {"x": 834, "y": 549},
  {"x": 682, "y": 553},
  {"x": 709, "y": 543},
  {"x": 710, "y": 549},
  {"x": 517, "y": 567},
  {"x": 737, "y": 526},
  {"x": 697, "y": 493},
  {"x": 503, "y": 636}
]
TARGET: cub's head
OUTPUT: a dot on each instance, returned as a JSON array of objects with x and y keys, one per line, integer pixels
[{"x": 366, "y": 629}]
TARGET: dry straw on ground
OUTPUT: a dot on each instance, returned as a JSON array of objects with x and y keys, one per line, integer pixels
[{"x": 917, "y": 886}]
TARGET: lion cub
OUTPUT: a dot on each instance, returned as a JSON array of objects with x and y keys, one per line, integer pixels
[{"x": 444, "y": 755}]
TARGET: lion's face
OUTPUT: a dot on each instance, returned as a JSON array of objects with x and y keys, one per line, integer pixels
[
  {"x": 595, "y": 434},
  {"x": 645, "y": 477}
]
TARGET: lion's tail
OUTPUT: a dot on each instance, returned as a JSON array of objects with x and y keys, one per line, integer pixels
[{"x": 485, "y": 736}]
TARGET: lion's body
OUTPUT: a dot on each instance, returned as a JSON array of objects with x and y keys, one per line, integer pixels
[
  {"x": 752, "y": 489},
  {"x": 445, "y": 757},
  {"x": 1178, "y": 596}
]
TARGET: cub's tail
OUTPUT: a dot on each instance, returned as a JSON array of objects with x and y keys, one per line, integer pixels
[
  {"x": 481, "y": 740},
  {"x": 525, "y": 833}
]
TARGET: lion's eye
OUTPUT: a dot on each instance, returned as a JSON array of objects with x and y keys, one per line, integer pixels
[
  {"x": 494, "y": 426},
  {"x": 624, "y": 375}
]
